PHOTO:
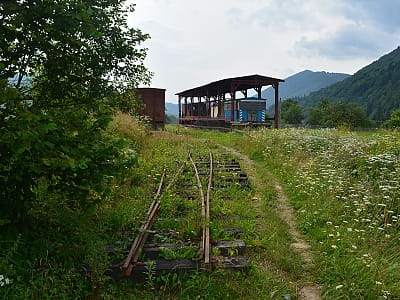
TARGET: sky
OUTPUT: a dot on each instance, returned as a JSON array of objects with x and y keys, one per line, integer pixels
[{"x": 194, "y": 42}]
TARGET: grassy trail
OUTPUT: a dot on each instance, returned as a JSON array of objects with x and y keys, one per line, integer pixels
[
  {"x": 343, "y": 188},
  {"x": 306, "y": 287}
]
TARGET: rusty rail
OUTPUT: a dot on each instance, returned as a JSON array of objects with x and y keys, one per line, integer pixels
[
  {"x": 203, "y": 208},
  {"x": 132, "y": 258},
  {"x": 132, "y": 261},
  {"x": 205, "y": 212},
  {"x": 207, "y": 260}
]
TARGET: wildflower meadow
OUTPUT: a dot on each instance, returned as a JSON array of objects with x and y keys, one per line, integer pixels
[{"x": 345, "y": 187}]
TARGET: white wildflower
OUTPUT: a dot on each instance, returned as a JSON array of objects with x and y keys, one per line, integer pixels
[{"x": 339, "y": 286}]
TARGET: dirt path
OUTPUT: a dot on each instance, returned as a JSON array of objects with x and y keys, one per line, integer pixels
[{"x": 310, "y": 291}]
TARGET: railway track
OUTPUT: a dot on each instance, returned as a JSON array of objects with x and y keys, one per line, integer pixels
[{"x": 201, "y": 185}]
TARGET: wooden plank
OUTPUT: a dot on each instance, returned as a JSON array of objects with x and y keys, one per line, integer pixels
[
  {"x": 231, "y": 248},
  {"x": 234, "y": 263}
]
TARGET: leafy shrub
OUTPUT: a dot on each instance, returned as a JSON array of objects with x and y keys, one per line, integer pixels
[
  {"x": 61, "y": 151},
  {"x": 394, "y": 121},
  {"x": 339, "y": 113}
]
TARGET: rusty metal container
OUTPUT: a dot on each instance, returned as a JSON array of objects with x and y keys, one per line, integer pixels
[{"x": 154, "y": 102}]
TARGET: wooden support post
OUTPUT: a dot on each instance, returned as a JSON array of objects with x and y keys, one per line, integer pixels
[
  {"x": 276, "y": 115},
  {"x": 186, "y": 108},
  {"x": 179, "y": 109},
  {"x": 219, "y": 100},
  {"x": 232, "y": 105},
  {"x": 223, "y": 106},
  {"x": 237, "y": 110},
  {"x": 199, "y": 110},
  {"x": 191, "y": 106},
  {"x": 209, "y": 107}
]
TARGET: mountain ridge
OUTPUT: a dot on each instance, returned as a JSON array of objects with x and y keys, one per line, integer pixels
[
  {"x": 303, "y": 83},
  {"x": 376, "y": 87}
]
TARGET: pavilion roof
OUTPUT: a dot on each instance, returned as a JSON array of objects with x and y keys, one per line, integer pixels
[{"x": 229, "y": 85}]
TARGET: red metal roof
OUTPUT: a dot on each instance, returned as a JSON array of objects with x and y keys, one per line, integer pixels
[{"x": 229, "y": 85}]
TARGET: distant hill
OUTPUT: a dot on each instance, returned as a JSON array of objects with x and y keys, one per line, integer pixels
[
  {"x": 171, "y": 109},
  {"x": 375, "y": 87},
  {"x": 303, "y": 83}
]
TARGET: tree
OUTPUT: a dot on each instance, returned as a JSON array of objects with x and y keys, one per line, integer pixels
[
  {"x": 334, "y": 114},
  {"x": 394, "y": 121},
  {"x": 171, "y": 119},
  {"x": 81, "y": 56},
  {"x": 78, "y": 51},
  {"x": 291, "y": 112}
]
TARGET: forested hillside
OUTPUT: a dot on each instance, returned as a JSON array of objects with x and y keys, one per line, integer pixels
[
  {"x": 171, "y": 109},
  {"x": 376, "y": 88},
  {"x": 303, "y": 83}
]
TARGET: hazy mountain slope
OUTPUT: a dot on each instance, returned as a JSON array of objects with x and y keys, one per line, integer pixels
[
  {"x": 375, "y": 87},
  {"x": 171, "y": 109},
  {"x": 303, "y": 83}
]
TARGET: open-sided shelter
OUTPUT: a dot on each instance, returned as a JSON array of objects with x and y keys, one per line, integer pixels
[{"x": 213, "y": 103}]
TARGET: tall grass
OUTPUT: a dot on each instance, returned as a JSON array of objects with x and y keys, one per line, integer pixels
[
  {"x": 346, "y": 190},
  {"x": 129, "y": 127}
]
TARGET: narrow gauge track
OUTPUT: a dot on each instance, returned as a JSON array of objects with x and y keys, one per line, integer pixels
[
  {"x": 217, "y": 176},
  {"x": 205, "y": 211}
]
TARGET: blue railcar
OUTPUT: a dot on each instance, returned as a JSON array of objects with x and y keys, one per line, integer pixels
[{"x": 249, "y": 110}]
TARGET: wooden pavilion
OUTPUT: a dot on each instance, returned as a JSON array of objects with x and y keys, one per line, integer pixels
[{"x": 212, "y": 100}]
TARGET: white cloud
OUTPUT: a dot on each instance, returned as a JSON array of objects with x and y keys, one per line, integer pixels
[{"x": 195, "y": 42}]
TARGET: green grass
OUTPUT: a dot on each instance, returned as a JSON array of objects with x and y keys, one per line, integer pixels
[{"x": 344, "y": 187}]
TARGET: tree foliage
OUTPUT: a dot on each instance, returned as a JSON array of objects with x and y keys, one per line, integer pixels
[
  {"x": 76, "y": 51},
  {"x": 334, "y": 114},
  {"x": 394, "y": 121},
  {"x": 81, "y": 57},
  {"x": 291, "y": 112}
]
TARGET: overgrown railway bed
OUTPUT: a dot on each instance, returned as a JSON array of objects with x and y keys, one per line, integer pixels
[{"x": 190, "y": 224}]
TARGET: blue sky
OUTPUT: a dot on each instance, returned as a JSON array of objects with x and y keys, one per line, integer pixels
[{"x": 194, "y": 42}]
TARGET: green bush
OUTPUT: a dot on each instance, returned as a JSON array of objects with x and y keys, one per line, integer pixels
[
  {"x": 338, "y": 114},
  {"x": 64, "y": 152},
  {"x": 394, "y": 121}
]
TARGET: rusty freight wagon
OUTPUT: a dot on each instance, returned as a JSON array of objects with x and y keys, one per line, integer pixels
[{"x": 154, "y": 105}]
